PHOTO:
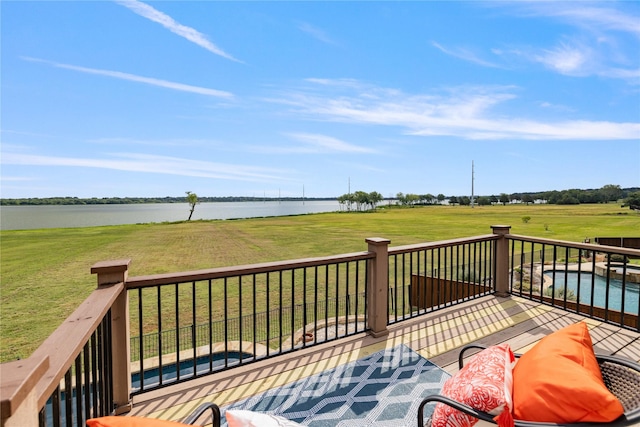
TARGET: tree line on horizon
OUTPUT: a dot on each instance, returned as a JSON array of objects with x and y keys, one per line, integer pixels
[
  {"x": 361, "y": 200},
  {"x": 141, "y": 200},
  {"x": 609, "y": 193}
]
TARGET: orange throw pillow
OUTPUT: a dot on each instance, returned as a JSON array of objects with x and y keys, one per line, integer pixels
[
  {"x": 118, "y": 421},
  {"x": 559, "y": 381}
]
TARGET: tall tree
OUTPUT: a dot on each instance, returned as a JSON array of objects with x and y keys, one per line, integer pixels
[
  {"x": 633, "y": 201},
  {"x": 611, "y": 192},
  {"x": 192, "y": 199},
  {"x": 374, "y": 199}
]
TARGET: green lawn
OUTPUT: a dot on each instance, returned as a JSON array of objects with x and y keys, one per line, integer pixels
[{"x": 45, "y": 273}]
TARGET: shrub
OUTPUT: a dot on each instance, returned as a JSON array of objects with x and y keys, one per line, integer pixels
[{"x": 618, "y": 258}]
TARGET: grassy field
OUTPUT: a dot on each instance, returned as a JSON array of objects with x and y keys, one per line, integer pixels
[{"x": 45, "y": 274}]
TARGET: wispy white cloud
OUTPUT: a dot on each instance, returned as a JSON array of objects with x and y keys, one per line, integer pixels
[
  {"x": 566, "y": 59},
  {"x": 317, "y": 143},
  {"x": 555, "y": 107},
  {"x": 312, "y": 143},
  {"x": 601, "y": 38},
  {"x": 148, "y": 163},
  {"x": 174, "y": 142},
  {"x": 139, "y": 79},
  {"x": 466, "y": 112},
  {"x": 335, "y": 82},
  {"x": 315, "y": 32},
  {"x": 465, "y": 55},
  {"x": 587, "y": 15},
  {"x": 170, "y": 24}
]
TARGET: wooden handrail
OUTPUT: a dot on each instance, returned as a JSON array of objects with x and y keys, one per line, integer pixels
[
  {"x": 221, "y": 272},
  {"x": 66, "y": 342},
  {"x": 441, "y": 244},
  {"x": 587, "y": 246}
]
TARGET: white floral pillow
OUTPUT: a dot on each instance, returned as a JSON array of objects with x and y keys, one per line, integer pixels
[
  {"x": 485, "y": 384},
  {"x": 242, "y": 418}
]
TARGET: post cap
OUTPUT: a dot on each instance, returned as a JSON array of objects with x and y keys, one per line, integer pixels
[
  {"x": 377, "y": 241},
  {"x": 501, "y": 229},
  {"x": 114, "y": 266}
]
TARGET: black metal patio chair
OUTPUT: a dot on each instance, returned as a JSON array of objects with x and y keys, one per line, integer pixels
[{"x": 621, "y": 377}]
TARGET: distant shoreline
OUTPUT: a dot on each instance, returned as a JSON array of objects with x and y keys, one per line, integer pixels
[
  {"x": 606, "y": 194},
  {"x": 70, "y": 201},
  {"x": 34, "y": 216}
]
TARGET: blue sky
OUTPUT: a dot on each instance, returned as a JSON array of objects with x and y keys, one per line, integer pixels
[{"x": 130, "y": 98}]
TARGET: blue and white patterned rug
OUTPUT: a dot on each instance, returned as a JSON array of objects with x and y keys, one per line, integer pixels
[{"x": 383, "y": 389}]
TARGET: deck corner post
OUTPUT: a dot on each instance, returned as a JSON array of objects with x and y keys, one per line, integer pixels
[
  {"x": 378, "y": 287},
  {"x": 110, "y": 273},
  {"x": 501, "y": 273},
  {"x": 19, "y": 392}
]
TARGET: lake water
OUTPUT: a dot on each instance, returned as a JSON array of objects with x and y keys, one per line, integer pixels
[{"x": 66, "y": 216}]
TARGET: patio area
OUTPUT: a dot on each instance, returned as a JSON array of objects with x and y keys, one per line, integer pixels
[{"x": 437, "y": 337}]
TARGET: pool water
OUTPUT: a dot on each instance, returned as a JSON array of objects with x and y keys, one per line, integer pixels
[
  {"x": 151, "y": 377},
  {"x": 573, "y": 278},
  {"x": 203, "y": 364}
]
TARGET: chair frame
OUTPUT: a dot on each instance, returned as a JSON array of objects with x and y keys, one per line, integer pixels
[
  {"x": 609, "y": 367},
  {"x": 200, "y": 410}
]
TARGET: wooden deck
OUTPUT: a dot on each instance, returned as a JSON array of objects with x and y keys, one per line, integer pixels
[{"x": 436, "y": 336}]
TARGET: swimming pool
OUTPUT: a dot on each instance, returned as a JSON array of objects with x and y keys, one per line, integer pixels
[
  {"x": 203, "y": 364},
  {"x": 584, "y": 280},
  {"x": 151, "y": 377}
]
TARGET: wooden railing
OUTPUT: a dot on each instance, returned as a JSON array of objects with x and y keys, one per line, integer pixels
[
  {"x": 592, "y": 280},
  {"x": 208, "y": 320},
  {"x": 72, "y": 371},
  {"x": 84, "y": 369}
]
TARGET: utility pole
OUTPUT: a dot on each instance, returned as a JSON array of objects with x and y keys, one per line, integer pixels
[
  {"x": 472, "y": 178},
  {"x": 349, "y": 195}
]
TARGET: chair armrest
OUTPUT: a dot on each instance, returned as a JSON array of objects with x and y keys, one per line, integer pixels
[
  {"x": 476, "y": 347},
  {"x": 465, "y": 349},
  {"x": 454, "y": 404},
  {"x": 215, "y": 414}
]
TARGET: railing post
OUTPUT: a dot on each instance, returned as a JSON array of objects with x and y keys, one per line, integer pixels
[
  {"x": 18, "y": 392},
  {"x": 378, "y": 287},
  {"x": 109, "y": 273},
  {"x": 501, "y": 275}
]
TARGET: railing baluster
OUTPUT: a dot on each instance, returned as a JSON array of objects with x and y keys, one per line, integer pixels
[
  {"x": 255, "y": 317},
  {"x": 226, "y": 323},
  {"x": 68, "y": 399},
  {"x": 194, "y": 343},
  {"x": 55, "y": 407},
  {"x": 304, "y": 307},
  {"x": 293, "y": 308},
  {"x": 77, "y": 398},
  {"x": 87, "y": 381},
  {"x": 210, "y": 322},
  {"x": 337, "y": 310},
  {"x": 268, "y": 311}
]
